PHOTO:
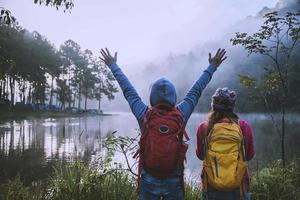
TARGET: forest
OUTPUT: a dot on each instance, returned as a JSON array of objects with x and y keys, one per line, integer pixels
[{"x": 33, "y": 72}]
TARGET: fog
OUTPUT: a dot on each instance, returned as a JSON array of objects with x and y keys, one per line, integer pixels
[
  {"x": 138, "y": 30},
  {"x": 183, "y": 68},
  {"x": 154, "y": 38}
]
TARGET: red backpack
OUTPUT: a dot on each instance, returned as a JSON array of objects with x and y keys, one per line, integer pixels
[{"x": 162, "y": 149}]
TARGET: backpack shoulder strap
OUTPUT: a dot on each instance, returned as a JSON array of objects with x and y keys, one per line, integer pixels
[
  {"x": 243, "y": 145},
  {"x": 205, "y": 140}
]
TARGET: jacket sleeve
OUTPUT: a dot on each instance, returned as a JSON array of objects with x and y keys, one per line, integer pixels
[
  {"x": 137, "y": 106},
  {"x": 200, "y": 143},
  {"x": 187, "y": 105},
  {"x": 249, "y": 142}
]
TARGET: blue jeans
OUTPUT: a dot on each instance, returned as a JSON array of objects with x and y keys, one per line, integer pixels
[
  {"x": 152, "y": 188},
  {"x": 219, "y": 195},
  {"x": 213, "y": 194}
]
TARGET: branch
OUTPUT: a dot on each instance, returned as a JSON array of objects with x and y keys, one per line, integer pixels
[
  {"x": 127, "y": 162},
  {"x": 266, "y": 104}
]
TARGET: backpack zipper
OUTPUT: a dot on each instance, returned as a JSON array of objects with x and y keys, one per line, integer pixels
[{"x": 216, "y": 166}]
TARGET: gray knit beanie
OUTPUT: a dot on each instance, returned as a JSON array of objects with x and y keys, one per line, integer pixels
[{"x": 223, "y": 99}]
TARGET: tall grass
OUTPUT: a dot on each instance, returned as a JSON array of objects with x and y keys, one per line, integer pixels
[
  {"x": 16, "y": 190},
  {"x": 78, "y": 181}
]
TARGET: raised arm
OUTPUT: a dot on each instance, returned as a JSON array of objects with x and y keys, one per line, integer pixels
[
  {"x": 187, "y": 105},
  {"x": 136, "y": 104}
]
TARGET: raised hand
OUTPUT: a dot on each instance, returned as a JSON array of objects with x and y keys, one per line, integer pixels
[
  {"x": 218, "y": 58},
  {"x": 107, "y": 58}
]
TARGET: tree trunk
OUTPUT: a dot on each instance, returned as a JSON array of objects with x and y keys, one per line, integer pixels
[
  {"x": 99, "y": 105},
  {"x": 51, "y": 92},
  {"x": 79, "y": 97},
  {"x": 12, "y": 91},
  {"x": 283, "y": 135},
  {"x": 7, "y": 88},
  {"x": 23, "y": 93},
  {"x": 1, "y": 83},
  {"x": 29, "y": 100},
  {"x": 86, "y": 97}
]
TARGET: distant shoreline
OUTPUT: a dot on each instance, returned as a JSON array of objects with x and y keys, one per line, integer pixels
[{"x": 43, "y": 114}]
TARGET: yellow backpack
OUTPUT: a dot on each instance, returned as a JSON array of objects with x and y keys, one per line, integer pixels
[{"x": 224, "y": 164}]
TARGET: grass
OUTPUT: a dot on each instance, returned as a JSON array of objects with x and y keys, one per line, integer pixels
[{"x": 78, "y": 181}]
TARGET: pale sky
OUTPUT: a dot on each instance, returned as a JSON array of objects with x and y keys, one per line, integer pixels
[{"x": 138, "y": 29}]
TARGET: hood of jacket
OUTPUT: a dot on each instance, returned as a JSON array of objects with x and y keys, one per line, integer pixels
[{"x": 163, "y": 91}]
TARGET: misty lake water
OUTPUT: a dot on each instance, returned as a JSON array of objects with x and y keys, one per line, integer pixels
[{"x": 31, "y": 147}]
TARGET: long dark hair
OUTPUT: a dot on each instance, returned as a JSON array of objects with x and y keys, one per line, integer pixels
[{"x": 216, "y": 115}]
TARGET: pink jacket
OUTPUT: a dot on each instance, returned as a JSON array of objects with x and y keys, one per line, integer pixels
[{"x": 248, "y": 137}]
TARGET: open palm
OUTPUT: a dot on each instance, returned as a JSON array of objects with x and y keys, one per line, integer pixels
[
  {"x": 107, "y": 58},
  {"x": 218, "y": 58}
]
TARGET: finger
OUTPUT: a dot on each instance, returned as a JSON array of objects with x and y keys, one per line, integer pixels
[
  {"x": 104, "y": 56},
  {"x": 108, "y": 53},
  {"x": 223, "y": 59},
  {"x": 102, "y": 59},
  {"x": 103, "y": 53},
  {"x": 217, "y": 54},
  {"x": 220, "y": 62},
  {"x": 116, "y": 55},
  {"x": 223, "y": 52},
  {"x": 209, "y": 56}
]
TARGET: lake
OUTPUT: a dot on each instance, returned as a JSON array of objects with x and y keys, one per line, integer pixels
[{"x": 31, "y": 147}]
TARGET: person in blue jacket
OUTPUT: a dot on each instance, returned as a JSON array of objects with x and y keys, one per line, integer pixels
[{"x": 162, "y": 91}]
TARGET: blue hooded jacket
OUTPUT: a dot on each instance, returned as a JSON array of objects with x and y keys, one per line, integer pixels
[{"x": 162, "y": 91}]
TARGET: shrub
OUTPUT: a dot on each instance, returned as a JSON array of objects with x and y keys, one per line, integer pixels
[{"x": 276, "y": 182}]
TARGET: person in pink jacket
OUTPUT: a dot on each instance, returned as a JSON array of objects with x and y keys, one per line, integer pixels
[{"x": 222, "y": 106}]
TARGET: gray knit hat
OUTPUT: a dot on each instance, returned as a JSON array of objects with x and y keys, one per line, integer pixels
[{"x": 223, "y": 99}]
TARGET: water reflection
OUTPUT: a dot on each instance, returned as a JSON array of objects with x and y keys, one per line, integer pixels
[{"x": 30, "y": 147}]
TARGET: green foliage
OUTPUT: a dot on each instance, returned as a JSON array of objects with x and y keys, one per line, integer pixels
[
  {"x": 16, "y": 190},
  {"x": 277, "y": 39},
  {"x": 103, "y": 180},
  {"x": 75, "y": 181},
  {"x": 271, "y": 34},
  {"x": 17, "y": 45},
  {"x": 118, "y": 183},
  {"x": 68, "y": 4},
  {"x": 124, "y": 145},
  {"x": 107, "y": 180},
  {"x": 30, "y": 60},
  {"x": 248, "y": 81},
  {"x": 192, "y": 190},
  {"x": 85, "y": 74},
  {"x": 6, "y": 17},
  {"x": 276, "y": 182}
]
